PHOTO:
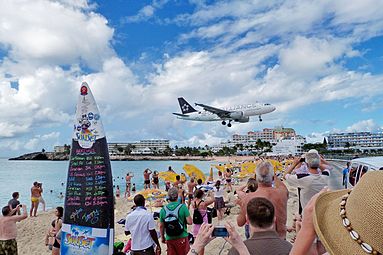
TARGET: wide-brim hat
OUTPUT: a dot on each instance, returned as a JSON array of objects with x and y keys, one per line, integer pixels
[{"x": 363, "y": 210}]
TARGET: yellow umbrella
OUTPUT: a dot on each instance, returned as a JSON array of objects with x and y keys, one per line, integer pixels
[
  {"x": 193, "y": 171},
  {"x": 168, "y": 176},
  {"x": 151, "y": 193},
  {"x": 277, "y": 165},
  {"x": 248, "y": 167}
]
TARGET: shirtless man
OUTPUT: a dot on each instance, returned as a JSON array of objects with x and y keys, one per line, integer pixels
[
  {"x": 191, "y": 186},
  {"x": 35, "y": 198},
  {"x": 178, "y": 181},
  {"x": 278, "y": 196},
  {"x": 8, "y": 229},
  {"x": 128, "y": 180},
  {"x": 147, "y": 174}
]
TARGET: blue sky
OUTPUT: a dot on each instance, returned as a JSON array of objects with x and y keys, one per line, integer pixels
[{"x": 319, "y": 62}]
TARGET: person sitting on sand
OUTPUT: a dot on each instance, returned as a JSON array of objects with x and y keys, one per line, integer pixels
[
  {"x": 14, "y": 202},
  {"x": 278, "y": 195},
  {"x": 8, "y": 229},
  {"x": 264, "y": 239},
  {"x": 35, "y": 198},
  {"x": 147, "y": 174}
]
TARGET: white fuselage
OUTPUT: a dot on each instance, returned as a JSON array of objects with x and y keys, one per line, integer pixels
[{"x": 247, "y": 110}]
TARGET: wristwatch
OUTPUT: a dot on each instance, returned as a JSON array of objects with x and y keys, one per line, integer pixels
[{"x": 193, "y": 251}]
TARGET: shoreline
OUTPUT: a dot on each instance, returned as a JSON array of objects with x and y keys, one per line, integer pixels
[{"x": 49, "y": 156}]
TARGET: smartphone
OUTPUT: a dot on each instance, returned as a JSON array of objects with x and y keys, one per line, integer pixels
[{"x": 220, "y": 232}]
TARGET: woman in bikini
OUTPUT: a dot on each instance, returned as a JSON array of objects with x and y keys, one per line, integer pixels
[
  {"x": 201, "y": 204},
  {"x": 155, "y": 180},
  {"x": 58, "y": 223},
  {"x": 228, "y": 179}
]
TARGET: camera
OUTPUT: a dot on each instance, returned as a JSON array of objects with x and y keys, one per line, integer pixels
[
  {"x": 302, "y": 160},
  {"x": 220, "y": 232}
]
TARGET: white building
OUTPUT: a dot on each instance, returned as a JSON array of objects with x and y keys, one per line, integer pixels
[
  {"x": 289, "y": 146},
  {"x": 144, "y": 147},
  {"x": 356, "y": 140}
]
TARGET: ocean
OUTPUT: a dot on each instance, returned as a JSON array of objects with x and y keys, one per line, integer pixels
[{"x": 20, "y": 175}]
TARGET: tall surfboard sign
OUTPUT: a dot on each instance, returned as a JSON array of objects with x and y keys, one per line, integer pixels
[{"x": 88, "y": 224}]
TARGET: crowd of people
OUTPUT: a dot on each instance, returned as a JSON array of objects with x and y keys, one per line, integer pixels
[{"x": 326, "y": 222}]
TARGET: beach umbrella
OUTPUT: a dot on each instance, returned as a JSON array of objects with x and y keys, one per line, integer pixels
[
  {"x": 248, "y": 167},
  {"x": 193, "y": 171},
  {"x": 277, "y": 165},
  {"x": 168, "y": 176},
  {"x": 151, "y": 193}
]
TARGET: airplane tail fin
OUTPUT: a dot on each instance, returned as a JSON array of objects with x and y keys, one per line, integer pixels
[{"x": 185, "y": 106}]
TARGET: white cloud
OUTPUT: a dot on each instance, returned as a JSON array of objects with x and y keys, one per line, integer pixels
[
  {"x": 45, "y": 32},
  {"x": 364, "y": 125}
]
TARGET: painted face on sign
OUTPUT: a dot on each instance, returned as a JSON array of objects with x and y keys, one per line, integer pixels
[
  {"x": 84, "y": 91},
  {"x": 84, "y": 126}
]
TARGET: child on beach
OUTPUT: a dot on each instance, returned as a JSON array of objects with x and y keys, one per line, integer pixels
[{"x": 134, "y": 188}]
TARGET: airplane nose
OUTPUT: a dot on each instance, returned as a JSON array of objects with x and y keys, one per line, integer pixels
[{"x": 273, "y": 108}]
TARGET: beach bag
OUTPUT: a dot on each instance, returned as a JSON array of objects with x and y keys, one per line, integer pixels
[
  {"x": 197, "y": 216},
  {"x": 173, "y": 226}
]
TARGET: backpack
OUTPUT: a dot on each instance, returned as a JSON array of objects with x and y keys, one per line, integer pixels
[
  {"x": 173, "y": 226},
  {"x": 197, "y": 216}
]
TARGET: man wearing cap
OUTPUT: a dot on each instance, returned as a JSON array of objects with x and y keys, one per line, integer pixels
[
  {"x": 313, "y": 182},
  {"x": 176, "y": 244}
]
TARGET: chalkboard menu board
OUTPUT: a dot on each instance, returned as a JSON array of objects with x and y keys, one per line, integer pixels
[{"x": 89, "y": 199}]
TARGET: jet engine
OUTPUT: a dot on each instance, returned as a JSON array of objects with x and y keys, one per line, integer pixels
[
  {"x": 239, "y": 117},
  {"x": 243, "y": 119},
  {"x": 236, "y": 115}
]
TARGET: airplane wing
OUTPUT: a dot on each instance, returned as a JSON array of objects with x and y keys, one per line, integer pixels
[
  {"x": 180, "y": 114},
  {"x": 221, "y": 113}
]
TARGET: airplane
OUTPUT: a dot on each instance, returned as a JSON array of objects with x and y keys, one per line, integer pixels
[{"x": 240, "y": 113}]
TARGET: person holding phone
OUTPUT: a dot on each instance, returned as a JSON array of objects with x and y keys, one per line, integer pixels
[{"x": 8, "y": 230}]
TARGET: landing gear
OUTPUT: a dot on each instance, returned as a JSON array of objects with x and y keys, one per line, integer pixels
[
  {"x": 260, "y": 118},
  {"x": 223, "y": 122},
  {"x": 229, "y": 124}
]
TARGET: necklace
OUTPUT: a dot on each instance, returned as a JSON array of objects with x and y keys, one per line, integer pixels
[{"x": 353, "y": 234}]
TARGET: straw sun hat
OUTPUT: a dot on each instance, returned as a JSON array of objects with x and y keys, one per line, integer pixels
[{"x": 363, "y": 214}]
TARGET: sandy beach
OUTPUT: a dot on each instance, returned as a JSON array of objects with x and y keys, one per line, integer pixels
[{"x": 31, "y": 232}]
